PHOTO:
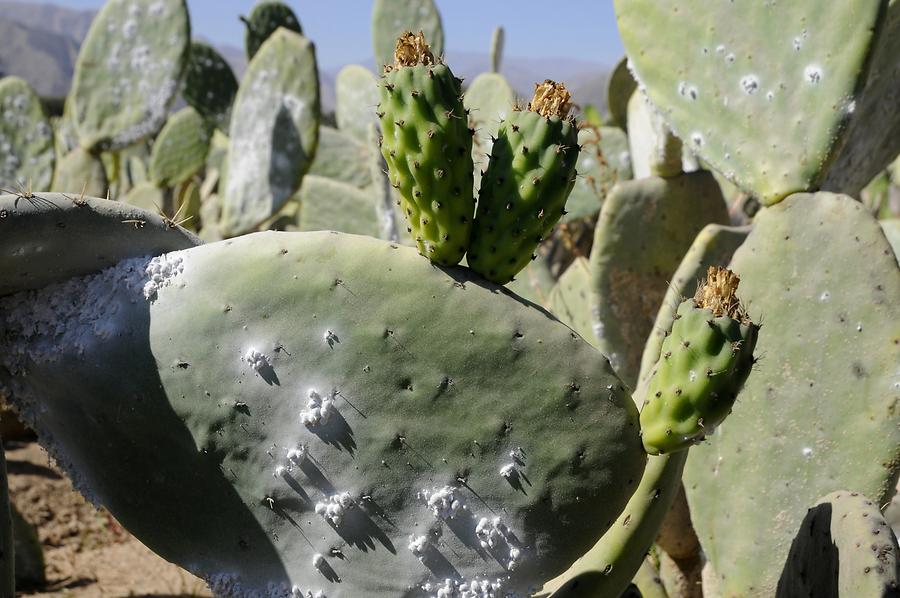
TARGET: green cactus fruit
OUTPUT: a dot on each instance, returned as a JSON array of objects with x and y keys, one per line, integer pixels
[
  {"x": 654, "y": 150},
  {"x": 342, "y": 158},
  {"x": 104, "y": 232},
  {"x": 356, "y": 94},
  {"x": 391, "y": 18},
  {"x": 644, "y": 229},
  {"x": 524, "y": 189},
  {"x": 428, "y": 148},
  {"x": 128, "y": 71},
  {"x": 619, "y": 90},
  {"x": 274, "y": 131},
  {"x": 7, "y": 564},
  {"x": 209, "y": 85},
  {"x": 180, "y": 150},
  {"x": 82, "y": 173},
  {"x": 768, "y": 102},
  {"x": 431, "y": 435},
  {"x": 714, "y": 245},
  {"x": 570, "y": 299},
  {"x": 844, "y": 547},
  {"x": 264, "y": 20},
  {"x": 497, "y": 49},
  {"x": 27, "y": 155},
  {"x": 604, "y": 160},
  {"x": 326, "y": 204},
  {"x": 489, "y": 100},
  {"x": 704, "y": 362},
  {"x": 820, "y": 409}
]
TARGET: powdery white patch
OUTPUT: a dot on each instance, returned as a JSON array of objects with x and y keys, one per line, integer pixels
[
  {"x": 476, "y": 588},
  {"x": 750, "y": 84},
  {"x": 335, "y": 507},
  {"x": 161, "y": 272},
  {"x": 318, "y": 409},
  {"x": 445, "y": 503},
  {"x": 509, "y": 471},
  {"x": 812, "y": 74},
  {"x": 257, "y": 360},
  {"x": 298, "y": 455},
  {"x": 418, "y": 545}
]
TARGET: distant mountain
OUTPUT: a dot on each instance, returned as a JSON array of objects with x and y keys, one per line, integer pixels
[{"x": 40, "y": 44}]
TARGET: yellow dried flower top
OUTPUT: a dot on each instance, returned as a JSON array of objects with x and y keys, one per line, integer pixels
[
  {"x": 718, "y": 294},
  {"x": 551, "y": 99}
]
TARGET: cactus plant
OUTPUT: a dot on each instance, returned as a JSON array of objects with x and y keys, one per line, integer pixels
[
  {"x": 80, "y": 172},
  {"x": 264, "y": 20},
  {"x": 570, "y": 299},
  {"x": 326, "y": 204},
  {"x": 209, "y": 84},
  {"x": 654, "y": 150},
  {"x": 489, "y": 99},
  {"x": 772, "y": 106},
  {"x": 619, "y": 90},
  {"x": 26, "y": 140},
  {"x": 356, "y": 95},
  {"x": 274, "y": 131},
  {"x": 844, "y": 547},
  {"x": 497, "y": 49},
  {"x": 604, "y": 160},
  {"x": 827, "y": 378},
  {"x": 390, "y": 18},
  {"x": 428, "y": 148},
  {"x": 524, "y": 189},
  {"x": 180, "y": 150},
  {"x": 128, "y": 71},
  {"x": 268, "y": 459},
  {"x": 342, "y": 158}
]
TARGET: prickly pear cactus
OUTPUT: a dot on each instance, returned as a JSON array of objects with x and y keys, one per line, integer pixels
[
  {"x": 128, "y": 71},
  {"x": 603, "y": 161},
  {"x": 264, "y": 20},
  {"x": 342, "y": 158},
  {"x": 274, "y": 131},
  {"x": 497, "y": 49},
  {"x": 714, "y": 246},
  {"x": 524, "y": 189},
  {"x": 147, "y": 196},
  {"x": 536, "y": 282},
  {"x": 105, "y": 232},
  {"x": 844, "y": 547},
  {"x": 390, "y": 18},
  {"x": 654, "y": 150},
  {"x": 771, "y": 104},
  {"x": 180, "y": 150},
  {"x": 570, "y": 299},
  {"x": 344, "y": 450},
  {"x": 705, "y": 360},
  {"x": 489, "y": 100},
  {"x": 827, "y": 377},
  {"x": 331, "y": 205},
  {"x": 7, "y": 568},
  {"x": 82, "y": 173},
  {"x": 27, "y": 154},
  {"x": 356, "y": 95},
  {"x": 619, "y": 90},
  {"x": 428, "y": 148},
  {"x": 209, "y": 84},
  {"x": 644, "y": 229}
]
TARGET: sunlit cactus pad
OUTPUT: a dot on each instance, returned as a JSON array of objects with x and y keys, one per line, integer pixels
[{"x": 329, "y": 412}]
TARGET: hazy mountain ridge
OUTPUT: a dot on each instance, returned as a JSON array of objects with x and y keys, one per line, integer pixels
[{"x": 40, "y": 44}]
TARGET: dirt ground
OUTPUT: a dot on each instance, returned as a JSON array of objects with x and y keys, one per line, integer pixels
[{"x": 87, "y": 553}]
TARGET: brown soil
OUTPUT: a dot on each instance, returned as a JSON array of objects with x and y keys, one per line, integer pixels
[{"x": 87, "y": 553}]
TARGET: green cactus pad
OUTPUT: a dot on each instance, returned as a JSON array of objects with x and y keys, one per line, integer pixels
[
  {"x": 654, "y": 150},
  {"x": 390, "y": 18},
  {"x": 80, "y": 172},
  {"x": 891, "y": 229},
  {"x": 497, "y": 49},
  {"x": 770, "y": 103},
  {"x": 489, "y": 100},
  {"x": 342, "y": 158},
  {"x": 180, "y": 150},
  {"x": 128, "y": 71},
  {"x": 331, "y": 205},
  {"x": 209, "y": 84},
  {"x": 570, "y": 299},
  {"x": 27, "y": 153},
  {"x": 644, "y": 229},
  {"x": 523, "y": 191},
  {"x": 50, "y": 237},
  {"x": 619, "y": 90},
  {"x": 714, "y": 246},
  {"x": 819, "y": 409},
  {"x": 149, "y": 197},
  {"x": 214, "y": 397},
  {"x": 356, "y": 95},
  {"x": 274, "y": 131},
  {"x": 7, "y": 566},
  {"x": 264, "y": 20},
  {"x": 428, "y": 148},
  {"x": 844, "y": 547},
  {"x": 535, "y": 282},
  {"x": 604, "y": 160},
  {"x": 704, "y": 362}
]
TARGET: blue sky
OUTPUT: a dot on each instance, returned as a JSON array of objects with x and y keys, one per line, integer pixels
[{"x": 583, "y": 29}]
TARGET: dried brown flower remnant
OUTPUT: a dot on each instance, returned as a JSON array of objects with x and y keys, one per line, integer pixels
[
  {"x": 718, "y": 294},
  {"x": 551, "y": 99},
  {"x": 411, "y": 50}
]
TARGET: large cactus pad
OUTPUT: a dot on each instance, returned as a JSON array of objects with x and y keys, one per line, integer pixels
[
  {"x": 302, "y": 372},
  {"x": 26, "y": 139}
]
